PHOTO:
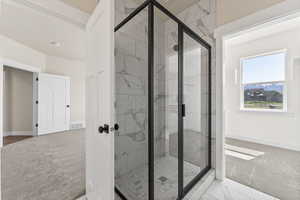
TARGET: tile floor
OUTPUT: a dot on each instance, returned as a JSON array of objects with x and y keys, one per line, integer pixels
[
  {"x": 135, "y": 184},
  {"x": 231, "y": 190}
]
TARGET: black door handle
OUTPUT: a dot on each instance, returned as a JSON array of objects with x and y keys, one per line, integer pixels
[
  {"x": 104, "y": 129},
  {"x": 116, "y": 127},
  {"x": 183, "y": 110}
]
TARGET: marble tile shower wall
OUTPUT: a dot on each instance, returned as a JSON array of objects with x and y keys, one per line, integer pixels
[
  {"x": 131, "y": 79},
  {"x": 131, "y": 60},
  {"x": 201, "y": 18},
  {"x": 159, "y": 88}
]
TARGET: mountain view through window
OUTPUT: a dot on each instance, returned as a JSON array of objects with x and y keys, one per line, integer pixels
[{"x": 263, "y": 82}]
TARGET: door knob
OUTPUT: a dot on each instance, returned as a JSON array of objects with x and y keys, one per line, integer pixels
[{"x": 104, "y": 129}]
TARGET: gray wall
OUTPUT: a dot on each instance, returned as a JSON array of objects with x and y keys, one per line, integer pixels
[{"x": 17, "y": 109}]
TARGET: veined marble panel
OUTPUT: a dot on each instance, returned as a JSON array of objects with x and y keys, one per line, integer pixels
[
  {"x": 200, "y": 17},
  {"x": 131, "y": 52},
  {"x": 124, "y": 8}
]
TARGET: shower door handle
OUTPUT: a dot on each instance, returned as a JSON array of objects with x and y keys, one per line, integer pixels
[
  {"x": 115, "y": 128},
  {"x": 183, "y": 110}
]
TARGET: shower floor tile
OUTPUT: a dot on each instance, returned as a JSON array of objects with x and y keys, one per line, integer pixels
[{"x": 134, "y": 184}]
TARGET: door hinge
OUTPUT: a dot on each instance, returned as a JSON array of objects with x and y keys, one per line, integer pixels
[
  {"x": 36, "y": 102},
  {"x": 37, "y": 79},
  {"x": 36, "y": 125}
]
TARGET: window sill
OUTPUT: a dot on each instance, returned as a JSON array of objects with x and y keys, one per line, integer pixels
[{"x": 263, "y": 110}]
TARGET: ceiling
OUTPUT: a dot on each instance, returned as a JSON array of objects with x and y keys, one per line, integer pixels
[
  {"x": 175, "y": 6},
  {"x": 265, "y": 31},
  {"x": 37, "y": 30},
  {"x": 83, "y": 5}
]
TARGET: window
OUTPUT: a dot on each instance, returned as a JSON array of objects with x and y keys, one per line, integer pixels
[{"x": 263, "y": 82}]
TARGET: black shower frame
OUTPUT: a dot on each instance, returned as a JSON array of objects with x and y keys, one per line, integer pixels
[{"x": 182, "y": 29}]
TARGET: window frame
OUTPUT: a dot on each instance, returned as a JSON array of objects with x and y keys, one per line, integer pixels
[{"x": 284, "y": 82}]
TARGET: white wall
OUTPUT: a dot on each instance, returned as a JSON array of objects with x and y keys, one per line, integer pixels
[
  {"x": 15, "y": 51},
  {"x": 75, "y": 69},
  {"x": 12, "y": 50},
  {"x": 18, "y": 100},
  {"x": 279, "y": 129}
]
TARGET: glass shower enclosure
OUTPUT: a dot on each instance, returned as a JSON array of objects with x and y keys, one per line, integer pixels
[{"x": 163, "y": 105}]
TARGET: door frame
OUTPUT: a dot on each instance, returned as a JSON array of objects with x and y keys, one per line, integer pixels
[
  {"x": 91, "y": 190},
  {"x": 280, "y": 12},
  {"x": 16, "y": 65}
]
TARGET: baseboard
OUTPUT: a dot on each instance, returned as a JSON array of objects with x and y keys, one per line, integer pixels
[
  {"x": 76, "y": 125},
  {"x": 18, "y": 133},
  {"x": 283, "y": 146}
]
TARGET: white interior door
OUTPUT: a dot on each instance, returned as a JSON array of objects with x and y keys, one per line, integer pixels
[
  {"x": 99, "y": 103},
  {"x": 53, "y": 103}
]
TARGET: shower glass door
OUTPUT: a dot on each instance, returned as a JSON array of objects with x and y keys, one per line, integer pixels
[
  {"x": 162, "y": 105},
  {"x": 194, "y": 97},
  {"x": 131, "y": 108}
]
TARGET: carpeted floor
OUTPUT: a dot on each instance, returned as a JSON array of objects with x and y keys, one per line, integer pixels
[
  {"x": 47, "y": 167},
  {"x": 277, "y": 172}
]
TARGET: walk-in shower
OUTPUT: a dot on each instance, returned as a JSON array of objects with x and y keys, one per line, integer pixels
[{"x": 163, "y": 105}]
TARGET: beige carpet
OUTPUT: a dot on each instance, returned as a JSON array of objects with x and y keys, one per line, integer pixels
[
  {"x": 49, "y": 167},
  {"x": 276, "y": 172}
]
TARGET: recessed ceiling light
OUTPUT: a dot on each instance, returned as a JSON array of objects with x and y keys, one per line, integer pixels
[{"x": 55, "y": 43}]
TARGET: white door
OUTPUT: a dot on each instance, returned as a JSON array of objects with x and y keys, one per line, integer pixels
[
  {"x": 99, "y": 103},
  {"x": 52, "y": 103}
]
